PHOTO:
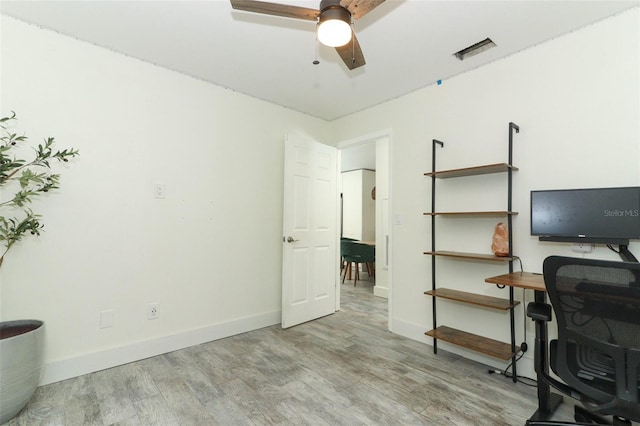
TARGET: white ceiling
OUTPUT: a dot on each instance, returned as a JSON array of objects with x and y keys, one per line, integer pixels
[{"x": 407, "y": 44}]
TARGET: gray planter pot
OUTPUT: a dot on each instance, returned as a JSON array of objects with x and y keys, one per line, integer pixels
[{"x": 21, "y": 361}]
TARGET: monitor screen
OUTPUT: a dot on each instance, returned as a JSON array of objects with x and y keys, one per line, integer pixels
[{"x": 599, "y": 215}]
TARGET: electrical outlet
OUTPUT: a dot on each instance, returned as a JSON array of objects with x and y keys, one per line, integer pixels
[
  {"x": 153, "y": 311},
  {"x": 582, "y": 248}
]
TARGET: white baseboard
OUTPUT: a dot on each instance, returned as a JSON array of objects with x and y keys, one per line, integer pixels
[
  {"x": 381, "y": 291},
  {"x": 410, "y": 330},
  {"x": 56, "y": 371}
]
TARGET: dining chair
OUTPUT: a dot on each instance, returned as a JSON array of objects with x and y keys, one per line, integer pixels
[{"x": 357, "y": 253}]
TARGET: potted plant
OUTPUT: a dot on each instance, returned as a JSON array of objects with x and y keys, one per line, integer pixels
[{"x": 22, "y": 180}]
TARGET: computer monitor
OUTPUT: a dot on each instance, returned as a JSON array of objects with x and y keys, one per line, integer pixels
[{"x": 597, "y": 215}]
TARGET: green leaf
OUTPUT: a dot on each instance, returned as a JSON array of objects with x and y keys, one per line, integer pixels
[{"x": 31, "y": 182}]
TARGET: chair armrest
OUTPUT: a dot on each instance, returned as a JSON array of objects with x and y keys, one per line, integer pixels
[{"x": 539, "y": 311}]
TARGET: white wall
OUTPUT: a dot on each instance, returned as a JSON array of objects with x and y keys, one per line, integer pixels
[
  {"x": 209, "y": 253},
  {"x": 358, "y": 156},
  {"x": 358, "y": 208},
  {"x": 576, "y": 101}
]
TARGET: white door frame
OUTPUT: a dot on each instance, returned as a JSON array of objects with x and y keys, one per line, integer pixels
[{"x": 373, "y": 137}]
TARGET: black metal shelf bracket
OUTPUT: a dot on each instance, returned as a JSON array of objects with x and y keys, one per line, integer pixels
[
  {"x": 434, "y": 144},
  {"x": 512, "y": 128}
]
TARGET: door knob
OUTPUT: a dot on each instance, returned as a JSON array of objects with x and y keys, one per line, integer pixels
[{"x": 291, "y": 240}]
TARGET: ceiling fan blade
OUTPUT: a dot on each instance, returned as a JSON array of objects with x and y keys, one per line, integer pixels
[
  {"x": 276, "y": 9},
  {"x": 359, "y": 8},
  {"x": 351, "y": 53}
]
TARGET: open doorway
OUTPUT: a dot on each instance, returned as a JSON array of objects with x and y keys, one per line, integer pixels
[{"x": 364, "y": 166}]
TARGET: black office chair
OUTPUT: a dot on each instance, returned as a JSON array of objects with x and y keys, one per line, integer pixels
[{"x": 597, "y": 352}]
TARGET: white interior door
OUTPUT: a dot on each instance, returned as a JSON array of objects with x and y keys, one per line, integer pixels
[{"x": 310, "y": 236}]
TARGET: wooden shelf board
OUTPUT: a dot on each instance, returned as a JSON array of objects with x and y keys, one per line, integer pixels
[
  {"x": 474, "y": 256},
  {"x": 474, "y": 342},
  {"x": 484, "y": 213},
  {"x": 525, "y": 280},
  {"x": 473, "y": 298},
  {"x": 472, "y": 171}
]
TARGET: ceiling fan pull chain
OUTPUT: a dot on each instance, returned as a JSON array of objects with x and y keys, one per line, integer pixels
[
  {"x": 353, "y": 44},
  {"x": 316, "y": 61}
]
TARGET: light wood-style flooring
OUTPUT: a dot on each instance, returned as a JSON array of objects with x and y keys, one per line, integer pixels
[{"x": 343, "y": 369}]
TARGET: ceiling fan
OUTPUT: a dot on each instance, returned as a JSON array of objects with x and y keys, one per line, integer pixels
[{"x": 334, "y": 20}]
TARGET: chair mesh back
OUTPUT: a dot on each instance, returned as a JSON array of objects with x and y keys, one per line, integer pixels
[{"x": 597, "y": 306}]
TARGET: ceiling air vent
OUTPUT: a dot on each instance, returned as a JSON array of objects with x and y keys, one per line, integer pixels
[{"x": 472, "y": 50}]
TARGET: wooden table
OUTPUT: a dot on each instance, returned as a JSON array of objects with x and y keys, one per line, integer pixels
[
  {"x": 366, "y": 243},
  {"x": 547, "y": 401}
]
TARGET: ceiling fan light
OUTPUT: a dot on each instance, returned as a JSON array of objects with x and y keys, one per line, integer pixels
[{"x": 335, "y": 27}]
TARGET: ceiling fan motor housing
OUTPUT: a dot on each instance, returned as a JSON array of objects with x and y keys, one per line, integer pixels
[{"x": 331, "y": 9}]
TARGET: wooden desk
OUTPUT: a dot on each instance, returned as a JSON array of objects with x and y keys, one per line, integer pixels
[
  {"x": 547, "y": 401},
  {"x": 526, "y": 280}
]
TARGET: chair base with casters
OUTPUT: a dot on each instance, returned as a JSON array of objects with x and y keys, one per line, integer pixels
[
  {"x": 597, "y": 353},
  {"x": 583, "y": 417},
  {"x": 586, "y": 416}
]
